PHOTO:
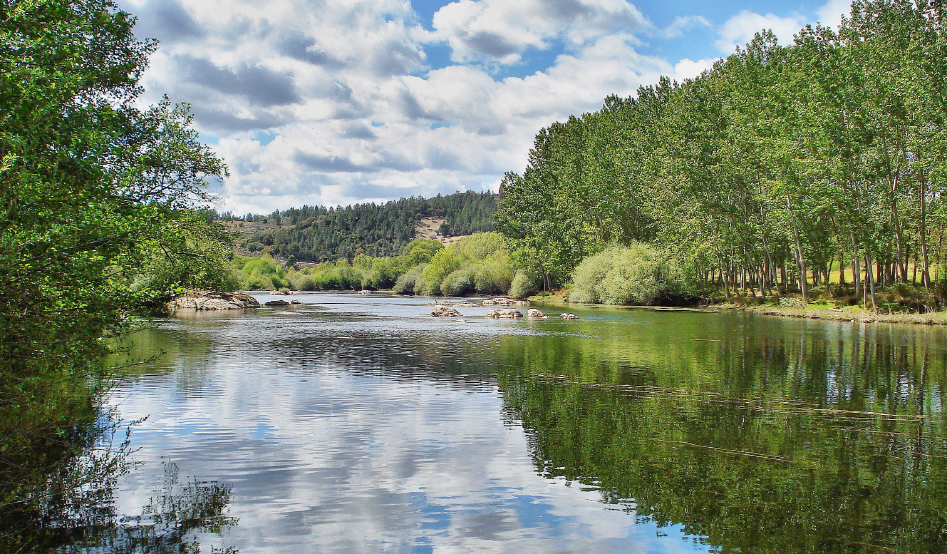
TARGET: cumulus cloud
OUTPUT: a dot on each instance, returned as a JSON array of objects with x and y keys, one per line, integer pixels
[
  {"x": 681, "y": 24},
  {"x": 740, "y": 29},
  {"x": 500, "y": 31},
  {"x": 335, "y": 101},
  {"x": 831, "y": 13},
  {"x": 167, "y": 19},
  {"x": 259, "y": 85}
]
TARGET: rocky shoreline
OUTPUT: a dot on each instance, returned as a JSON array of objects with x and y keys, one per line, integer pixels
[{"x": 213, "y": 301}]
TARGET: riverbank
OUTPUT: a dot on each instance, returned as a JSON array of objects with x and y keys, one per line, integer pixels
[
  {"x": 850, "y": 313},
  {"x": 841, "y": 314}
]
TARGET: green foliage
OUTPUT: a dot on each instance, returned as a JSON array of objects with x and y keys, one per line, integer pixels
[
  {"x": 365, "y": 272},
  {"x": 317, "y": 233},
  {"x": 408, "y": 281},
  {"x": 443, "y": 263},
  {"x": 459, "y": 282},
  {"x": 97, "y": 222},
  {"x": 637, "y": 275},
  {"x": 478, "y": 263},
  {"x": 764, "y": 172},
  {"x": 524, "y": 284},
  {"x": 420, "y": 251}
]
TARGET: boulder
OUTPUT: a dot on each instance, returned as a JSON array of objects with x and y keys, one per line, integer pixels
[
  {"x": 506, "y": 313},
  {"x": 504, "y": 301},
  {"x": 441, "y": 310},
  {"x": 536, "y": 314},
  {"x": 277, "y": 303},
  {"x": 213, "y": 301},
  {"x": 567, "y": 315},
  {"x": 294, "y": 301},
  {"x": 466, "y": 305}
]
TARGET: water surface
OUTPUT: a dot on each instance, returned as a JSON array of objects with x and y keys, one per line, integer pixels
[{"x": 361, "y": 424}]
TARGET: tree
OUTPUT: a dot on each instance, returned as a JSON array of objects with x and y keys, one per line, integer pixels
[{"x": 94, "y": 195}]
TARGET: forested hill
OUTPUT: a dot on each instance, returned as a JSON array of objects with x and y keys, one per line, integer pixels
[{"x": 316, "y": 233}]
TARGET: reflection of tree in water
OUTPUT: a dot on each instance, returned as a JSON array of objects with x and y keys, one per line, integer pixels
[
  {"x": 799, "y": 444},
  {"x": 172, "y": 518},
  {"x": 74, "y": 508}
]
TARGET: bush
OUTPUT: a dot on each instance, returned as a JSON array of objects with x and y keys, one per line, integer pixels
[
  {"x": 420, "y": 251},
  {"x": 483, "y": 259},
  {"x": 479, "y": 246},
  {"x": 460, "y": 282},
  {"x": 589, "y": 274},
  {"x": 639, "y": 274},
  {"x": 524, "y": 284},
  {"x": 792, "y": 302},
  {"x": 495, "y": 275},
  {"x": 408, "y": 281}
]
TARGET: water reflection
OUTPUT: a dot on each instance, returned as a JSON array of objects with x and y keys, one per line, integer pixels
[
  {"x": 756, "y": 434},
  {"x": 353, "y": 424},
  {"x": 74, "y": 509}
]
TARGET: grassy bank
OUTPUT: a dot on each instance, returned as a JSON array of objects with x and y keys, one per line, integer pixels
[
  {"x": 796, "y": 309},
  {"x": 848, "y": 313}
]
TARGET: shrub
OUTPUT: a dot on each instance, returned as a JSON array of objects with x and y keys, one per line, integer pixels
[
  {"x": 460, "y": 282},
  {"x": 443, "y": 264},
  {"x": 407, "y": 282},
  {"x": 792, "y": 302},
  {"x": 420, "y": 251},
  {"x": 494, "y": 275},
  {"x": 638, "y": 274},
  {"x": 589, "y": 274},
  {"x": 479, "y": 246},
  {"x": 525, "y": 283}
]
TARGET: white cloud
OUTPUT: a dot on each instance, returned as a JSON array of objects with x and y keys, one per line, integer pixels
[
  {"x": 685, "y": 23},
  {"x": 688, "y": 69},
  {"x": 501, "y": 31},
  {"x": 333, "y": 102},
  {"x": 740, "y": 29},
  {"x": 831, "y": 13}
]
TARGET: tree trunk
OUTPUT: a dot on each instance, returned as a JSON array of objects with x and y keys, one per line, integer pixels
[
  {"x": 871, "y": 282},
  {"x": 856, "y": 270},
  {"x": 800, "y": 260},
  {"x": 926, "y": 272}
]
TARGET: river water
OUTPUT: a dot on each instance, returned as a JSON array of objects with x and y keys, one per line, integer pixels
[{"x": 355, "y": 423}]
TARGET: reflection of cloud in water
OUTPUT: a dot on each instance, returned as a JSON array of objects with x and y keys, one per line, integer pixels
[{"x": 364, "y": 445}]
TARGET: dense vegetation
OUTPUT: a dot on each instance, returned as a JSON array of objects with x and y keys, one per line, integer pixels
[
  {"x": 476, "y": 264},
  {"x": 96, "y": 222},
  {"x": 637, "y": 275},
  {"x": 317, "y": 233},
  {"x": 771, "y": 171},
  {"x": 363, "y": 273}
]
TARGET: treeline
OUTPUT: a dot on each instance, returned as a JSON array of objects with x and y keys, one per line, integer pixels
[
  {"x": 317, "y": 233},
  {"x": 774, "y": 168},
  {"x": 477, "y": 264}
]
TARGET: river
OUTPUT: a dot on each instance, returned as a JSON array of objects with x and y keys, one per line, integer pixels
[{"x": 355, "y": 423}]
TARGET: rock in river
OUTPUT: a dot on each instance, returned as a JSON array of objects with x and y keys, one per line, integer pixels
[
  {"x": 533, "y": 313},
  {"x": 504, "y": 301},
  {"x": 508, "y": 313},
  {"x": 440, "y": 310},
  {"x": 213, "y": 301},
  {"x": 277, "y": 303}
]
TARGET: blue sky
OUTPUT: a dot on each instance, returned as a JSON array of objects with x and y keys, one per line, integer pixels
[{"x": 340, "y": 101}]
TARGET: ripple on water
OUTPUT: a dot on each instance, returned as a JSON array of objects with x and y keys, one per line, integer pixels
[{"x": 362, "y": 424}]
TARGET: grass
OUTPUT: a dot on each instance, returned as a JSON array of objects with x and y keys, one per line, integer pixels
[{"x": 848, "y": 313}]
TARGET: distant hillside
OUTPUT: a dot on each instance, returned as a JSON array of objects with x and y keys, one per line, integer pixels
[{"x": 315, "y": 233}]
